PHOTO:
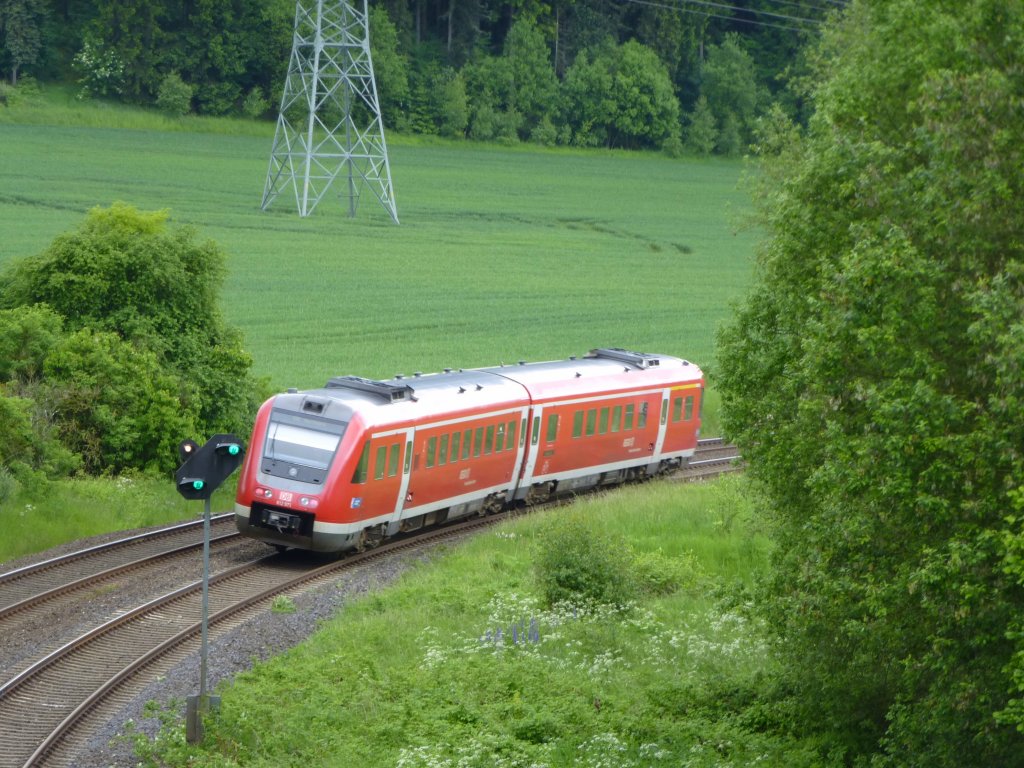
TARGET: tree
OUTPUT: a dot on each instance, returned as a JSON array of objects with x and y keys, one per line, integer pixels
[
  {"x": 728, "y": 82},
  {"x": 702, "y": 135},
  {"x": 621, "y": 96},
  {"x": 125, "y": 33},
  {"x": 21, "y": 24},
  {"x": 873, "y": 380},
  {"x": 534, "y": 87},
  {"x": 390, "y": 68},
  {"x": 154, "y": 293}
]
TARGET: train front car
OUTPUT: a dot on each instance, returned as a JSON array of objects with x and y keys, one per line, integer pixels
[
  {"x": 299, "y": 443},
  {"x": 349, "y": 465}
]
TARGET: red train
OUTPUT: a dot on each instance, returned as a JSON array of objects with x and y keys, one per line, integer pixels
[{"x": 348, "y": 465}]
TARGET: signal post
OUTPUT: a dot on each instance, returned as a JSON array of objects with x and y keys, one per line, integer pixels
[{"x": 203, "y": 470}]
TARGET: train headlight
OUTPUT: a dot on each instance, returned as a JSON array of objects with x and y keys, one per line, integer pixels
[
  {"x": 266, "y": 493},
  {"x": 311, "y": 503}
]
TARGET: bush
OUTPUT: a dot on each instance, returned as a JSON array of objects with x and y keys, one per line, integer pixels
[
  {"x": 578, "y": 562},
  {"x": 255, "y": 106},
  {"x": 146, "y": 359},
  {"x": 545, "y": 134},
  {"x": 655, "y": 573},
  {"x": 174, "y": 96}
]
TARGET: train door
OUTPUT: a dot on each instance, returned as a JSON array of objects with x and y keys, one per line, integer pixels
[
  {"x": 662, "y": 424},
  {"x": 404, "y": 497},
  {"x": 533, "y": 443}
]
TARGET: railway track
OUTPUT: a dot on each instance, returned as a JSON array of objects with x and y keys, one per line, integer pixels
[
  {"x": 50, "y": 708},
  {"x": 21, "y": 588}
]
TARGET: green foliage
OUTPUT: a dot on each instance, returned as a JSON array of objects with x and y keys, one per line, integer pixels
[
  {"x": 147, "y": 359},
  {"x": 577, "y": 562},
  {"x": 730, "y": 86},
  {"x": 174, "y": 96},
  {"x": 534, "y": 87},
  {"x": 255, "y": 106},
  {"x": 390, "y": 68},
  {"x": 453, "y": 105},
  {"x": 21, "y": 33},
  {"x": 102, "y": 70},
  {"x": 873, "y": 382},
  {"x": 620, "y": 96},
  {"x": 702, "y": 134}
]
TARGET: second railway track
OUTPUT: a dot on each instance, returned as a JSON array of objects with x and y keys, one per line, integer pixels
[{"x": 49, "y": 708}]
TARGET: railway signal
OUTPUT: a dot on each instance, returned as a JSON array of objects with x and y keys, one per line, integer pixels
[
  {"x": 204, "y": 468},
  {"x": 202, "y": 471}
]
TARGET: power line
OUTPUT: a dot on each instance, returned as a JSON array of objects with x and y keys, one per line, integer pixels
[{"x": 680, "y": 9}]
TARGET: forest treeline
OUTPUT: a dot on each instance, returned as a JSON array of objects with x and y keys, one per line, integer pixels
[{"x": 615, "y": 73}]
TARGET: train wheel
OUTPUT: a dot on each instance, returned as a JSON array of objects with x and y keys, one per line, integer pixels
[{"x": 370, "y": 537}]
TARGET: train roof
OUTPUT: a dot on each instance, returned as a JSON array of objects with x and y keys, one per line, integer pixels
[
  {"x": 601, "y": 371},
  {"x": 403, "y": 399}
]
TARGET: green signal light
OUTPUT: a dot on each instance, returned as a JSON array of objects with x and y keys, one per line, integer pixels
[
  {"x": 233, "y": 449},
  {"x": 198, "y": 484}
]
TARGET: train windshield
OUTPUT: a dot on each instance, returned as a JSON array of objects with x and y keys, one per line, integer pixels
[{"x": 302, "y": 440}]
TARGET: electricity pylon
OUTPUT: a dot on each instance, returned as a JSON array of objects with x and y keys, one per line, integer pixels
[{"x": 330, "y": 115}]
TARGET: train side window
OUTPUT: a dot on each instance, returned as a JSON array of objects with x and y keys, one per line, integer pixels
[
  {"x": 641, "y": 419},
  {"x": 552, "y": 427},
  {"x": 677, "y": 409},
  {"x": 467, "y": 443},
  {"x": 522, "y": 433},
  {"x": 442, "y": 456},
  {"x": 431, "y": 451},
  {"x": 629, "y": 417},
  {"x": 664, "y": 411},
  {"x": 478, "y": 440},
  {"x": 577, "y": 424},
  {"x": 379, "y": 464},
  {"x": 591, "y": 421},
  {"x": 688, "y": 414},
  {"x": 499, "y": 438},
  {"x": 616, "y": 418},
  {"x": 602, "y": 425},
  {"x": 408, "y": 456},
  {"x": 393, "y": 460},
  {"x": 535, "y": 436},
  {"x": 489, "y": 440},
  {"x": 363, "y": 467},
  {"x": 456, "y": 441},
  {"x": 510, "y": 436}
]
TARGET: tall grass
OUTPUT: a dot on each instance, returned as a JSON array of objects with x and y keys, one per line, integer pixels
[{"x": 83, "y": 507}]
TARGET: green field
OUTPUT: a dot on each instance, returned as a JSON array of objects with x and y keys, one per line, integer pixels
[{"x": 502, "y": 254}]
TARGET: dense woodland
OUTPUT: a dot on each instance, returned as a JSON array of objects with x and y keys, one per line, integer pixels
[{"x": 617, "y": 73}]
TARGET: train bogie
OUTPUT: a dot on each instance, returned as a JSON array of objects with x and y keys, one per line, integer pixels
[{"x": 345, "y": 466}]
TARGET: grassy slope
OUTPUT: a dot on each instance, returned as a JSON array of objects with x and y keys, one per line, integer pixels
[{"x": 412, "y": 676}]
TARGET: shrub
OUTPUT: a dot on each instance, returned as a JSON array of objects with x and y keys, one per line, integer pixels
[
  {"x": 578, "y": 562},
  {"x": 174, "y": 96},
  {"x": 545, "y": 134},
  {"x": 255, "y": 105},
  {"x": 655, "y": 573}
]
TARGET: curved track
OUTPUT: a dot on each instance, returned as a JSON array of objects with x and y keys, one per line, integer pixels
[{"x": 49, "y": 709}]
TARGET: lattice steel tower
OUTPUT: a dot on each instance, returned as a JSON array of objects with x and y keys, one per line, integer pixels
[{"x": 330, "y": 115}]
